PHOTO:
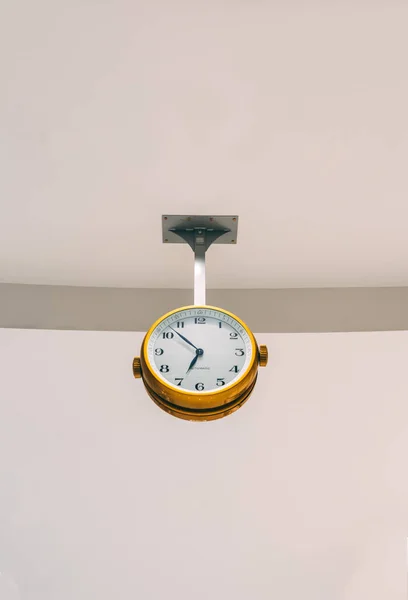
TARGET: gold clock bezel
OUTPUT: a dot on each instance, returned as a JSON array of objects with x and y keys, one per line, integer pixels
[{"x": 198, "y": 400}]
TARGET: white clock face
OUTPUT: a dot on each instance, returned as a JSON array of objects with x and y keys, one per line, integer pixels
[{"x": 199, "y": 350}]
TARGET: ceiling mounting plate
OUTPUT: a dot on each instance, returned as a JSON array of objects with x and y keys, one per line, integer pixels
[{"x": 228, "y": 225}]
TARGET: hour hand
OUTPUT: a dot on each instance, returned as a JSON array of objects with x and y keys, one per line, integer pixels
[
  {"x": 199, "y": 352},
  {"x": 193, "y": 362}
]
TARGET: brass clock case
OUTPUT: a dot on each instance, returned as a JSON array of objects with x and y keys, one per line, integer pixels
[
  {"x": 204, "y": 414},
  {"x": 199, "y": 406}
]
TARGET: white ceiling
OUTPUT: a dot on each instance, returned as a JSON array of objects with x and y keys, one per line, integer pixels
[{"x": 293, "y": 116}]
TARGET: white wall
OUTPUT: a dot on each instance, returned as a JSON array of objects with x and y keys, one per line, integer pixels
[{"x": 303, "y": 493}]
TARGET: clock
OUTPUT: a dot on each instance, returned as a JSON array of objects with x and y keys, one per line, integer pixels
[{"x": 199, "y": 362}]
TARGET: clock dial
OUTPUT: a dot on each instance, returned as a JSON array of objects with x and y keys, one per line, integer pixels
[{"x": 200, "y": 350}]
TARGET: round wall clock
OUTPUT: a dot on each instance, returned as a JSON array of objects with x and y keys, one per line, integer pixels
[{"x": 199, "y": 362}]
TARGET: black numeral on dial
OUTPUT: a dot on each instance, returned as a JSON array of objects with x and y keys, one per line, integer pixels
[
  {"x": 234, "y": 369},
  {"x": 239, "y": 352},
  {"x": 220, "y": 381},
  {"x": 169, "y": 335},
  {"x": 164, "y": 368},
  {"x": 233, "y": 336},
  {"x": 180, "y": 324},
  {"x": 199, "y": 387},
  {"x": 159, "y": 351},
  {"x": 200, "y": 321},
  {"x": 179, "y": 379}
]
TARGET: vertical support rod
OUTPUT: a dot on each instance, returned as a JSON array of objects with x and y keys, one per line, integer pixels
[{"x": 199, "y": 268}]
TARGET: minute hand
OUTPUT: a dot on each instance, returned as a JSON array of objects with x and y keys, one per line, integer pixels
[{"x": 183, "y": 338}]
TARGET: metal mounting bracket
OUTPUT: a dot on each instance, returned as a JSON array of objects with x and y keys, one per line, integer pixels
[{"x": 199, "y": 232}]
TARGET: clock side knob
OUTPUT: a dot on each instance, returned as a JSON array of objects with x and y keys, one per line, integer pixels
[
  {"x": 137, "y": 368},
  {"x": 263, "y": 356}
]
